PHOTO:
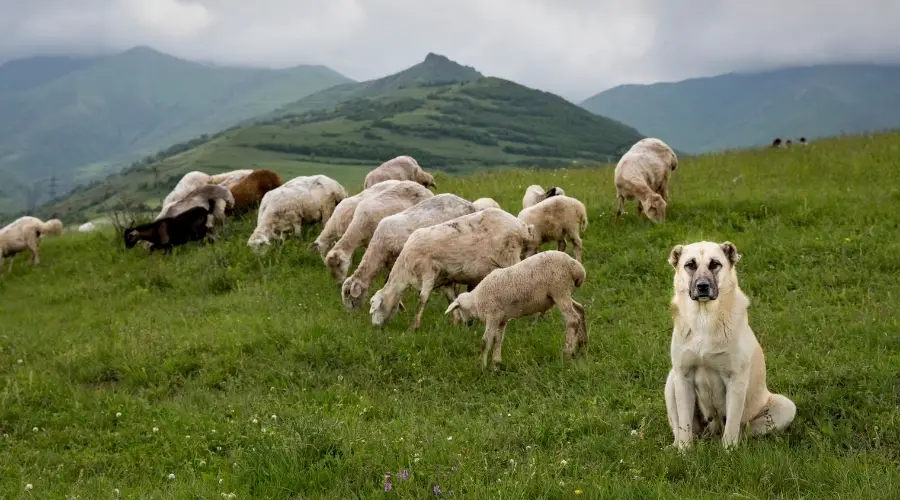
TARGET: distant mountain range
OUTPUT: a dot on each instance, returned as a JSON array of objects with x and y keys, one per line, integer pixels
[
  {"x": 448, "y": 116},
  {"x": 751, "y": 109},
  {"x": 72, "y": 119}
]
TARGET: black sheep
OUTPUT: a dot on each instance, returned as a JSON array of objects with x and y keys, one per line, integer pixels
[{"x": 165, "y": 233}]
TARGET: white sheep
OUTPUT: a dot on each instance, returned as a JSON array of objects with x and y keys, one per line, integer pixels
[
  {"x": 215, "y": 198},
  {"x": 535, "y": 194},
  {"x": 482, "y": 203},
  {"x": 87, "y": 227},
  {"x": 229, "y": 179},
  {"x": 341, "y": 217},
  {"x": 188, "y": 183},
  {"x": 286, "y": 208},
  {"x": 643, "y": 174},
  {"x": 556, "y": 219},
  {"x": 401, "y": 168},
  {"x": 462, "y": 250},
  {"x": 531, "y": 286},
  {"x": 390, "y": 236},
  {"x": 25, "y": 233},
  {"x": 366, "y": 217}
]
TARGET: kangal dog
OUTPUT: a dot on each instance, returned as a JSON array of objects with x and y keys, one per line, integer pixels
[{"x": 718, "y": 377}]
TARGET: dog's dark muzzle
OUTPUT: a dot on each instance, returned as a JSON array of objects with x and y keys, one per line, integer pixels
[{"x": 704, "y": 290}]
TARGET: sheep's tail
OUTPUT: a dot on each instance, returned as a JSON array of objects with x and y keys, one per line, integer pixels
[
  {"x": 578, "y": 273},
  {"x": 583, "y": 221}
]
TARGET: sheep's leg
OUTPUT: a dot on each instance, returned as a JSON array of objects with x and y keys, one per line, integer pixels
[
  {"x": 576, "y": 242},
  {"x": 621, "y": 201},
  {"x": 664, "y": 192},
  {"x": 34, "y": 244},
  {"x": 424, "y": 294},
  {"x": 491, "y": 330},
  {"x": 561, "y": 244},
  {"x": 576, "y": 331},
  {"x": 498, "y": 344}
]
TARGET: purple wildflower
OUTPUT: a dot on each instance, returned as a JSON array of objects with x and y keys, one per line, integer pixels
[
  {"x": 436, "y": 490},
  {"x": 387, "y": 481},
  {"x": 404, "y": 474}
]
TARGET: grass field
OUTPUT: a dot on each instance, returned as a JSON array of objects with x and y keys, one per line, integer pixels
[{"x": 244, "y": 375}]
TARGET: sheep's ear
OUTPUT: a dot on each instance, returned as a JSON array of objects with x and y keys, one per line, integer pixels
[
  {"x": 731, "y": 252},
  {"x": 402, "y": 307},
  {"x": 675, "y": 255},
  {"x": 313, "y": 247},
  {"x": 453, "y": 306},
  {"x": 375, "y": 303},
  {"x": 355, "y": 289}
]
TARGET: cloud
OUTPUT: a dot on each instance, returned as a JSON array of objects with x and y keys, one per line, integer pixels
[{"x": 571, "y": 47}]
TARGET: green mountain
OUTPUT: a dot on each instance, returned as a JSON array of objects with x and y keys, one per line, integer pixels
[
  {"x": 751, "y": 109},
  {"x": 435, "y": 69},
  {"x": 75, "y": 119},
  {"x": 454, "y": 127}
]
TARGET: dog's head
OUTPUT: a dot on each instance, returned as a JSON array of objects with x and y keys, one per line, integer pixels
[
  {"x": 655, "y": 207},
  {"x": 704, "y": 269}
]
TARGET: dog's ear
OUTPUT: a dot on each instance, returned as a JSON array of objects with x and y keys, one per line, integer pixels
[
  {"x": 731, "y": 252},
  {"x": 675, "y": 255}
]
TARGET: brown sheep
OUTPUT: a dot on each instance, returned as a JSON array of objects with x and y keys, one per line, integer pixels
[{"x": 251, "y": 189}]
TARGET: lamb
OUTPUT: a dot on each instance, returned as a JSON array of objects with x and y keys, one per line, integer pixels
[
  {"x": 229, "y": 179},
  {"x": 249, "y": 191},
  {"x": 342, "y": 217},
  {"x": 643, "y": 173},
  {"x": 482, "y": 203},
  {"x": 401, "y": 168},
  {"x": 390, "y": 236},
  {"x": 188, "y": 183},
  {"x": 285, "y": 209},
  {"x": 366, "y": 217},
  {"x": 556, "y": 219},
  {"x": 535, "y": 194},
  {"x": 529, "y": 287},
  {"x": 462, "y": 250},
  {"x": 208, "y": 195},
  {"x": 165, "y": 233},
  {"x": 87, "y": 227},
  {"x": 26, "y": 233}
]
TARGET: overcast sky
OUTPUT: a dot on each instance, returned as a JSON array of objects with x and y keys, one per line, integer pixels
[{"x": 572, "y": 47}]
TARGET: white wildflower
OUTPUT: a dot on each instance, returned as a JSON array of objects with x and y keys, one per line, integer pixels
[
  {"x": 28, "y": 487},
  {"x": 563, "y": 463},
  {"x": 156, "y": 429},
  {"x": 171, "y": 476},
  {"x": 34, "y": 429}
]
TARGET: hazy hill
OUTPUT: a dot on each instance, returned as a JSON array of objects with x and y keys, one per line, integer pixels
[
  {"x": 453, "y": 127},
  {"x": 76, "y": 118},
  {"x": 435, "y": 69},
  {"x": 749, "y": 109}
]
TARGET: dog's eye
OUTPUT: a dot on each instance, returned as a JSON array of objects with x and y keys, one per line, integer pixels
[
  {"x": 714, "y": 264},
  {"x": 691, "y": 265}
]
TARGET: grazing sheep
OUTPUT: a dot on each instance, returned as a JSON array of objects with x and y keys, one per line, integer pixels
[
  {"x": 25, "y": 233},
  {"x": 188, "y": 183},
  {"x": 249, "y": 191},
  {"x": 462, "y": 250},
  {"x": 535, "y": 194},
  {"x": 343, "y": 214},
  {"x": 208, "y": 195},
  {"x": 528, "y": 287},
  {"x": 285, "y": 209},
  {"x": 643, "y": 173},
  {"x": 229, "y": 179},
  {"x": 165, "y": 233},
  {"x": 556, "y": 219},
  {"x": 87, "y": 227},
  {"x": 390, "y": 236},
  {"x": 788, "y": 143},
  {"x": 366, "y": 217},
  {"x": 482, "y": 203},
  {"x": 776, "y": 143},
  {"x": 803, "y": 141},
  {"x": 401, "y": 168}
]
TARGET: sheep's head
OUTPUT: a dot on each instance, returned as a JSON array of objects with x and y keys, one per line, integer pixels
[
  {"x": 381, "y": 308},
  {"x": 258, "y": 243},
  {"x": 338, "y": 264},
  {"x": 321, "y": 247},
  {"x": 655, "y": 207},
  {"x": 352, "y": 292},
  {"x": 131, "y": 237},
  {"x": 53, "y": 227},
  {"x": 532, "y": 242},
  {"x": 554, "y": 191},
  {"x": 427, "y": 180},
  {"x": 465, "y": 305}
]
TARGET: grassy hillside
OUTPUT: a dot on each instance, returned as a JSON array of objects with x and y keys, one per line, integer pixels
[
  {"x": 77, "y": 122},
  {"x": 751, "y": 109},
  {"x": 435, "y": 69},
  {"x": 244, "y": 375},
  {"x": 455, "y": 128}
]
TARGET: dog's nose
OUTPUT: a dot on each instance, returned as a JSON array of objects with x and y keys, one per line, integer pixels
[{"x": 703, "y": 286}]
